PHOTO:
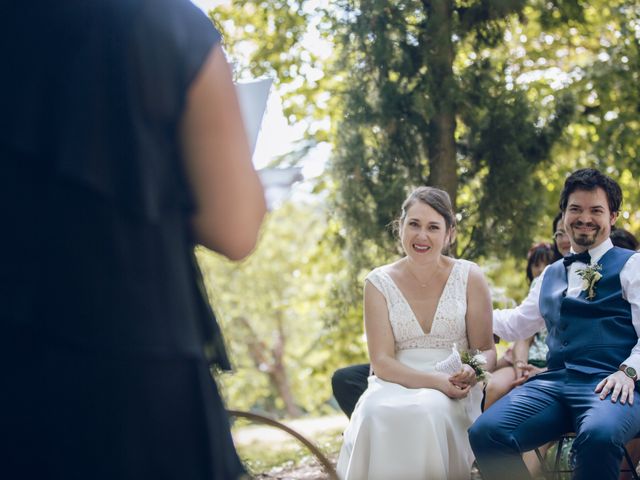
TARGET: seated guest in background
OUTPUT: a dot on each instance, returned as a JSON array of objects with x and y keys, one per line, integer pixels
[
  {"x": 561, "y": 242},
  {"x": 624, "y": 239},
  {"x": 348, "y": 385}
]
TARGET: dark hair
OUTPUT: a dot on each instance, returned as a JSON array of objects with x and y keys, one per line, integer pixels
[
  {"x": 554, "y": 223},
  {"x": 554, "y": 228},
  {"x": 539, "y": 252},
  {"x": 436, "y": 198},
  {"x": 624, "y": 239},
  {"x": 590, "y": 179}
]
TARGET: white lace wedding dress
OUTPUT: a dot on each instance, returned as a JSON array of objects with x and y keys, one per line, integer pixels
[{"x": 414, "y": 433}]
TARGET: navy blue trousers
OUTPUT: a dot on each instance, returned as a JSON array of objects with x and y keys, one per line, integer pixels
[{"x": 544, "y": 408}]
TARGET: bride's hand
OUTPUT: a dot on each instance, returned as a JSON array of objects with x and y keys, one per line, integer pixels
[
  {"x": 465, "y": 377},
  {"x": 451, "y": 390}
]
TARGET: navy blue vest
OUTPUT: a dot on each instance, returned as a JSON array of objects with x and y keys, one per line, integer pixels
[{"x": 590, "y": 336}]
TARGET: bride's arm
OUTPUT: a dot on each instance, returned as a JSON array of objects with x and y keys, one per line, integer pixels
[
  {"x": 381, "y": 346},
  {"x": 479, "y": 316}
]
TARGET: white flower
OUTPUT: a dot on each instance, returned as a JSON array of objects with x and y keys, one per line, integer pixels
[
  {"x": 590, "y": 276},
  {"x": 480, "y": 358}
]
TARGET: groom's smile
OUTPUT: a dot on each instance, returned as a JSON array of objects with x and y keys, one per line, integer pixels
[{"x": 585, "y": 233}]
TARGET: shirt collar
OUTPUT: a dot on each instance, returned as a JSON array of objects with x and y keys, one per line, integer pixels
[{"x": 597, "y": 252}]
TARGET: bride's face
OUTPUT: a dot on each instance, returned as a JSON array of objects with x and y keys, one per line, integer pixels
[{"x": 424, "y": 232}]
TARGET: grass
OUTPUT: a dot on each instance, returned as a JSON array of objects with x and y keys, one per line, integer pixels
[{"x": 260, "y": 457}]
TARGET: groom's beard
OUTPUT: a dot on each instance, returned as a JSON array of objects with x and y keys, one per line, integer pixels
[{"x": 582, "y": 238}]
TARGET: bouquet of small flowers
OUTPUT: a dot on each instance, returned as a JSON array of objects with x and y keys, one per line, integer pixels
[
  {"x": 453, "y": 363},
  {"x": 590, "y": 277},
  {"x": 477, "y": 361}
]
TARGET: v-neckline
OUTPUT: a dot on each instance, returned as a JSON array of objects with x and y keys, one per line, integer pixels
[{"x": 435, "y": 313}]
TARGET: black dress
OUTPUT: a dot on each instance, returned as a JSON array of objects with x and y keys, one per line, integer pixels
[{"x": 106, "y": 338}]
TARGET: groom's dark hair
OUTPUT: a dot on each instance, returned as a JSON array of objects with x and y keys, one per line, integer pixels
[{"x": 589, "y": 179}]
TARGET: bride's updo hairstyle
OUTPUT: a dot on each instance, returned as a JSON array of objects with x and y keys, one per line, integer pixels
[{"x": 437, "y": 199}]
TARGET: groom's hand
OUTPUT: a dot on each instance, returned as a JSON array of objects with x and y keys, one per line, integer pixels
[{"x": 619, "y": 386}]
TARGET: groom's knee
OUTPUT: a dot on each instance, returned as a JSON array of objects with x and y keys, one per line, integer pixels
[
  {"x": 479, "y": 434},
  {"x": 604, "y": 437},
  {"x": 485, "y": 434}
]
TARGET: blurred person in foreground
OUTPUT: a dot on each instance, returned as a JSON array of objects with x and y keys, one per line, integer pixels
[{"x": 122, "y": 147}]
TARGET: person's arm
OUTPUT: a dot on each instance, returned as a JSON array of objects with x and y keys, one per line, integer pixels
[
  {"x": 521, "y": 353},
  {"x": 479, "y": 317},
  {"x": 228, "y": 192},
  {"x": 630, "y": 281},
  {"x": 381, "y": 345},
  {"x": 524, "y": 320},
  {"x": 618, "y": 384},
  {"x": 521, "y": 361}
]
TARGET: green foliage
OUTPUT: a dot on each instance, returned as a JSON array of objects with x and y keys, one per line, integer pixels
[
  {"x": 276, "y": 302},
  {"x": 494, "y": 101},
  {"x": 399, "y": 92},
  {"x": 590, "y": 50},
  {"x": 271, "y": 38},
  {"x": 505, "y": 142}
]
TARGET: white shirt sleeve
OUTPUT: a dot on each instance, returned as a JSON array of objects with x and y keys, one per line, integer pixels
[
  {"x": 523, "y": 321},
  {"x": 630, "y": 281}
]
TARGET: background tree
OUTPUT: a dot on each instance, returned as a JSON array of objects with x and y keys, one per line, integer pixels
[
  {"x": 272, "y": 38},
  {"x": 427, "y": 103},
  {"x": 271, "y": 309}
]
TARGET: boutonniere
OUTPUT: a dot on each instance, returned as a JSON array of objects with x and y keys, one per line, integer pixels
[{"x": 590, "y": 277}]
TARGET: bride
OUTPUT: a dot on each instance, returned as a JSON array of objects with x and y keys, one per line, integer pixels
[{"x": 412, "y": 421}]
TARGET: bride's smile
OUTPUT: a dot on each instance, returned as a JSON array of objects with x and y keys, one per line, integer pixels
[{"x": 423, "y": 233}]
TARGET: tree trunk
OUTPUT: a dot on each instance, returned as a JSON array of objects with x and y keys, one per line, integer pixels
[
  {"x": 271, "y": 361},
  {"x": 278, "y": 374},
  {"x": 439, "y": 56}
]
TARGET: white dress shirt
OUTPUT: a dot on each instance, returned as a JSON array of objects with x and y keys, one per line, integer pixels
[{"x": 525, "y": 320}]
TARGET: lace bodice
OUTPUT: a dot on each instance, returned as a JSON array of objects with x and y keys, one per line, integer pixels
[{"x": 448, "y": 326}]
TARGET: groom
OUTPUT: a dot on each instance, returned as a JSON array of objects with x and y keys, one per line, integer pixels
[{"x": 594, "y": 352}]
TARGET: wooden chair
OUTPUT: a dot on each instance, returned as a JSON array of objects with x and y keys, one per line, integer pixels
[
  {"x": 324, "y": 461},
  {"x": 556, "y": 470}
]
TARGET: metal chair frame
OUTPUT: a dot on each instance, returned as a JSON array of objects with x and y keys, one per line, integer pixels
[
  {"x": 556, "y": 472},
  {"x": 315, "y": 451}
]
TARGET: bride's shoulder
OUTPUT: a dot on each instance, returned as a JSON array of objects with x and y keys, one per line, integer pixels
[
  {"x": 384, "y": 274},
  {"x": 469, "y": 268},
  {"x": 475, "y": 277},
  {"x": 388, "y": 269},
  {"x": 466, "y": 263}
]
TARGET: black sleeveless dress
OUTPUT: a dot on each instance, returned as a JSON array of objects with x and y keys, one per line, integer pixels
[{"x": 106, "y": 337}]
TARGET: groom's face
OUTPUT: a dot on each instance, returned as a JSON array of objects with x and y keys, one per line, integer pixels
[{"x": 588, "y": 219}]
